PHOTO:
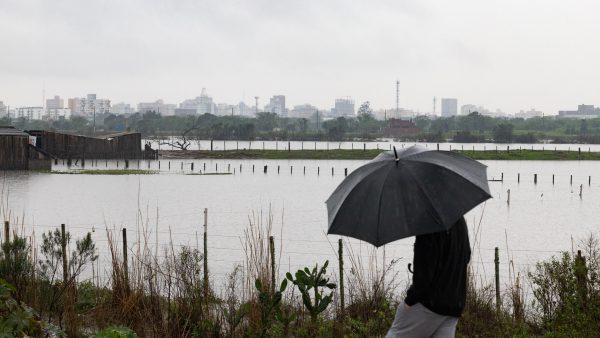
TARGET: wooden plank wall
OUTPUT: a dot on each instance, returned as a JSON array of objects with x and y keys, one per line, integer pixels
[
  {"x": 128, "y": 146},
  {"x": 14, "y": 152}
]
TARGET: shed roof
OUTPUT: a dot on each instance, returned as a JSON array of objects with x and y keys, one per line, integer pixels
[{"x": 11, "y": 131}]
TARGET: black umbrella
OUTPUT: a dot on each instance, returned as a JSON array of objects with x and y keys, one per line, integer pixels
[{"x": 406, "y": 193}]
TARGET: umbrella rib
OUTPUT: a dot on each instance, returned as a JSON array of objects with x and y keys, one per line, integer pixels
[{"x": 387, "y": 175}]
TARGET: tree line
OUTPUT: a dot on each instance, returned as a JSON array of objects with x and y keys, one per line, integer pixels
[{"x": 364, "y": 126}]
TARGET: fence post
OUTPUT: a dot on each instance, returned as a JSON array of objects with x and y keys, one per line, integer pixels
[
  {"x": 341, "y": 267},
  {"x": 277, "y": 169},
  {"x": 518, "y": 177},
  {"x": 497, "y": 272},
  {"x": 265, "y": 169},
  {"x": 580, "y": 190},
  {"x": 125, "y": 264},
  {"x": 205, "y": 256},
  {"x": 272, "y": 252},
  {"x": 508, "y": 196},
  {"x": 552, "y": 178},
  {"x": 589, "y": 180},
  {"x": 534, "y": 178},
  {"x": 345, "y": 171},
  {"x": 571, "y": 179}
]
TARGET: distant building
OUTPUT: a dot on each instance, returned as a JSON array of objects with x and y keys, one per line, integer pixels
[
  {"x": 399, "y": 128},
  {"x": 386, "y": 114},
  {"x": 467, "y": 109},
  {"x": 584, "y": 111},
  {"x": 224, "y": 109},
  {"x": 30, "y": 113},
  {"x": 245, "y": 110},
  {"x": 185, "y": 111},
  {"x": 449, "y": 107},
  {"x": 87, "y": 106},
  {"x": 122, "y": 108},
  {"x": 203, "y": 104},
  {"x": 159, "y": 106},
  {"x": 55, "y": 103},
  {"x": 55, "y": 114},
  {"x": 303, "y": 111},
  {"x": 529, "y": 114},
  {"x": 277, "y": 105},
  {"x": 3, "y": 109},
  {"x": 343, "y": 107}
]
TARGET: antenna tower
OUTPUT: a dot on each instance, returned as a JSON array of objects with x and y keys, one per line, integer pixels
[{"x": 397, "y": 98}]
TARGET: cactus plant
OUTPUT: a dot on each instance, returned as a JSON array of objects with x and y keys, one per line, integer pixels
[{"x": 314, "y": 279}]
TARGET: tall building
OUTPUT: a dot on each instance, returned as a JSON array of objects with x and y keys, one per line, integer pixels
[
  {"x": 3, "y": 109},
  {"x": 122, "y": 108},
  {"x": 343, "y": 107},
  {"x": 55, "y": 103},
  {"x": 449, "y": 107},
  {"x": 159, "y": 106},
  {"x": 277, "y": 105},
  {"x": 202, "y": 104},
  {"x": 87, "y": 106}
]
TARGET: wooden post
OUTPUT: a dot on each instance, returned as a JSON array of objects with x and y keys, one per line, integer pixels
[
  {"x": 580, "y": 190},
  {"x": 552, "y": 179},
  {"x": 204, "y": 167},
  {"x": 205, "y": 257},
  {"x": 63, "y": 244},
  {"x": 272, "y": 252},
  {"x": 341, "y": 267},
  {"x": 265, "y": 169},
  {"x": 228, "y": 167},
  {"x": 216, "y": 167},
  {"x": 571, "y": 179},
  {"x": 497, "y": 270},
  {"x": 508, "y": 196},
  {"x": 181, "y": 165},
  {"x": 291, "y": 169},
  {"x": 534, "y": 178},
  {"x": 331, "y": 171},
  {"x": 345, "y": 171},
  {"x": 318, "y": 170},
  {"x": 438, "y": 147},
  {"x": 502, "y": 177},
  {"x": 289, "y": 146},
  {"x": 192, "y": 166},
  {"x": 253, "y": 168},
  {"x": 304, "y": 171},
  {"x": 364, "y": 147},
  {"x": 126, "y": 164},
  {"x": 589, "y": 180},
  {"x": 518, "y": 177},
  {"x": 211, "y": 145},
  {"x": 169, "y": 165},
  {"x": 125, "y": 264},
  {"x": 277, "y": 169},
  {"x": 508, "y": 149}
]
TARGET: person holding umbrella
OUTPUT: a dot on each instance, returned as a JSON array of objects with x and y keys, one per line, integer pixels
[{"x": 422, "y": 193}]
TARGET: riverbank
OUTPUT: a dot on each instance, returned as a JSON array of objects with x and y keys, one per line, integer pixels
[{"x": 344, "y": 154}]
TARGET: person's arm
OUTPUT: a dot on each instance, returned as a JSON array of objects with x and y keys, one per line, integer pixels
[{"x": 424, "y": 264}]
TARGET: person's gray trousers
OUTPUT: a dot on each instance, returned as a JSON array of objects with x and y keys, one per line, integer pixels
[{"x": 417, "y": 321}]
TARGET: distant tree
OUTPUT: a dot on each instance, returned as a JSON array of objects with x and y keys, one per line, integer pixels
[{"x": 503, "y": 133}]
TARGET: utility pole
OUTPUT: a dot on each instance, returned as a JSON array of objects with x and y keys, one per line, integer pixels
[
  {"x": 397, "y": 98},
  {"x": 256, "y": 105}
]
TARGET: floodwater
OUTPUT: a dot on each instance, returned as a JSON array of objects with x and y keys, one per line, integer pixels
[{"x": 540, "y": 220}]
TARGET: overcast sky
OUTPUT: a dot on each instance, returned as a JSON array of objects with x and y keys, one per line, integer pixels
[{"x": 509, "y": 54}]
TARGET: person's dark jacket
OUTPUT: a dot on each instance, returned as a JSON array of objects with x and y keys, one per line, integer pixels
[{"x": 440, "y": 270}]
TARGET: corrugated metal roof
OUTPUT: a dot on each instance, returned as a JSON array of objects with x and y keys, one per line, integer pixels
[{"x": 11, "y": 131}]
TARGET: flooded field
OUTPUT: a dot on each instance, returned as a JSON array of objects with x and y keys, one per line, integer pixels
[{"x": 540, "y": 220}]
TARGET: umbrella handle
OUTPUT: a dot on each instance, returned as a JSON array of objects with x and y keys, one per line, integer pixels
[{"x": 410, "y": 268}]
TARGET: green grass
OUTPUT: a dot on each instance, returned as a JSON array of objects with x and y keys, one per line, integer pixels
[
  {"x": 107, "y": 172},
  {"x": 342, "y": 154}
]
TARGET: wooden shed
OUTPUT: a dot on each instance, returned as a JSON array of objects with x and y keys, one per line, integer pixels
[
  {"x": 14, "y": 149},
  {"x": 114, "y": 146}
]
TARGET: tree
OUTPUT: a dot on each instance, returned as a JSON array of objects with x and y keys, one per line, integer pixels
[{"x": 503, "y": 133}]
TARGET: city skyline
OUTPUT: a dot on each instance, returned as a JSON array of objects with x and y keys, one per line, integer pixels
[{"x": 313, "y": 51}]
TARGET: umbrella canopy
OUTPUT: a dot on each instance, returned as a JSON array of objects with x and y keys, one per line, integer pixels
[{"x": 410, "y": 192}]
